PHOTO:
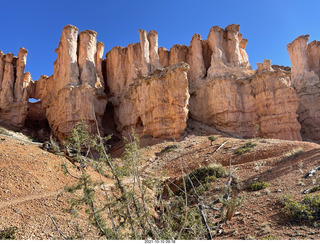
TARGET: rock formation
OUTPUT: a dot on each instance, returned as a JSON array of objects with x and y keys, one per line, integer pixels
[
  {"x": 252, "y": 104},
  {"x": 226, "y": 93},
  {"x": 13, "y": 96},
  {"x": 305, "y": 79},
  {"x": 153, "y": 90},
  {"x": 146, "y": 97},
  {"x": 74, "y": 92}
]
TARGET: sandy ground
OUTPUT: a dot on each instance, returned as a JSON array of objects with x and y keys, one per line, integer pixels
[{"x": 32, "y": 182}]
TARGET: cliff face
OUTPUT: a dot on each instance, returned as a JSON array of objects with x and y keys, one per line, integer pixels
[
  {"x": 146, "y": 97},
  {"x": 75, "y": 91},
  {"x": 153, "y": 90},
  {"x": 247, "y": 103},
  {"x": 305, "y": 79},
  {"x": 226, "y": 93},
  {"x": 13, "y": 98}
]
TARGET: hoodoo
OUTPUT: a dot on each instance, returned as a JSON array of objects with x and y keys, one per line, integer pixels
[
  {"x": 154, "y": 90},
  {"x": 305, "y": 79},
  {"x": 13, "y": 97},
  {"x": 73, "y": 93}
]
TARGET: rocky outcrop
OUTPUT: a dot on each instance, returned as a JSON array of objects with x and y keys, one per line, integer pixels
[
  {"x": 248, "y": 104},
  {"x": 149, "y": 87},
  {"x": 155, "y": 105},
  {"x": 227, "y": 94},
  {"x": 75, "y": 91},
  {"x": 146, "y": 97},
  {"x": 305, "y": 79},
  {"x": 13, "y": 96}
]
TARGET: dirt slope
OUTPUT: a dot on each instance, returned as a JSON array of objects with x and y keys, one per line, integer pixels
[{"x": 31, "y": 179}]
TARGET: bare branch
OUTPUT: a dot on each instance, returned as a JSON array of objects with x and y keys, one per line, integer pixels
[
  {"x": 204, "y": 218},
  {"x": 53, "y": 221},
  {"x": 65, "y": 166},
  {"x": 110, "y": 211},
  {"x": 186, "y": 206}
]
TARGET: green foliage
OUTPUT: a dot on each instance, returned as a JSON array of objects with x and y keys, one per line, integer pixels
[
  {"x": 174, "y": 217},
  {"x": 315, "y": 188},
  {"x": 170, "y": 148},
  {"x": 231, "y": 204},
  {"x": 211, "y": 138},
  {"x": 137, "y": 209},
  {"x": 269, "y": 237},
  {"x": 308, "y": 210},
  {"x": 245, "y": 148},
  {"x": 202, "y": 178},
  {"x": 258, "y": 185},
  {"x": 8, "y": 233}
]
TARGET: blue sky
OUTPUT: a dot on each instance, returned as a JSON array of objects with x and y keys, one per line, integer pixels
[{"x": 268, "y": 25}]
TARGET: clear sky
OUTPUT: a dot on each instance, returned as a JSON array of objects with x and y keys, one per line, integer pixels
[{"x": 268, "y": 25}]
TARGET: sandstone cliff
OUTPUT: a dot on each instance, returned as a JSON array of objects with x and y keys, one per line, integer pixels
[
  {"x": 75, "y": 91},
  {"x": 154, "y": 90},
  {"x": 248, "y": 104},
  {"x": 227, "y": 94},
  {"x": 305, "y": 78},
  {"x": 13, "y": 96},
  {"x": 146, "y": 97}
]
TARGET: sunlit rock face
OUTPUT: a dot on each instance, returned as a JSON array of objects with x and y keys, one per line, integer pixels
[
  {"x": 75, "y": 91},
  {"x": 146, "y": 97},
  {"x": 248, "y": 103},
  {"x": 13, "y": 96},
  {"x": 305, "y": 79},
  {"x": 153, "y": 90},
  {"x": 227, "y": 94}
]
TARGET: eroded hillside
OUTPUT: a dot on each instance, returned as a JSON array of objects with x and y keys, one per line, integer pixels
[{"x": 33, "y": 182}]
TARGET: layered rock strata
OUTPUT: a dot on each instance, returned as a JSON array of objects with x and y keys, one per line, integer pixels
[
  {"x": 248, "y": 104},
  {"x": 305, "y": 79},
  {"x": 149, "y": 87},
  {"x": 226, "y": 93},
  {"x": 13, "y": 96},
  {"x": 75, "y": 91},
  {"x": 146, "y": 97}
]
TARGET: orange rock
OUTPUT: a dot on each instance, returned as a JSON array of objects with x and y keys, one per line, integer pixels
[
  {"x": 305, "y": 79},
  {"x": 71, "y": 94},
  {"x": 146, "y": 97},
  {"x": 13, "y": 97}
]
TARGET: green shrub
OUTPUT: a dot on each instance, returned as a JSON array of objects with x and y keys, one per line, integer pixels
[
  {"x": 205, "y": 176},
  {"x": 211, "y": 139},
  {"x": 314, "y": 189},
  {"x": 8, "y": 233},
  {"x": 245, "y": 148},
  {"x": 170, "y": 148},
  {"x": 308, "y": 210},
  {"x": 269, "y": 237},
  {"x": 258, "y": 185}
]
